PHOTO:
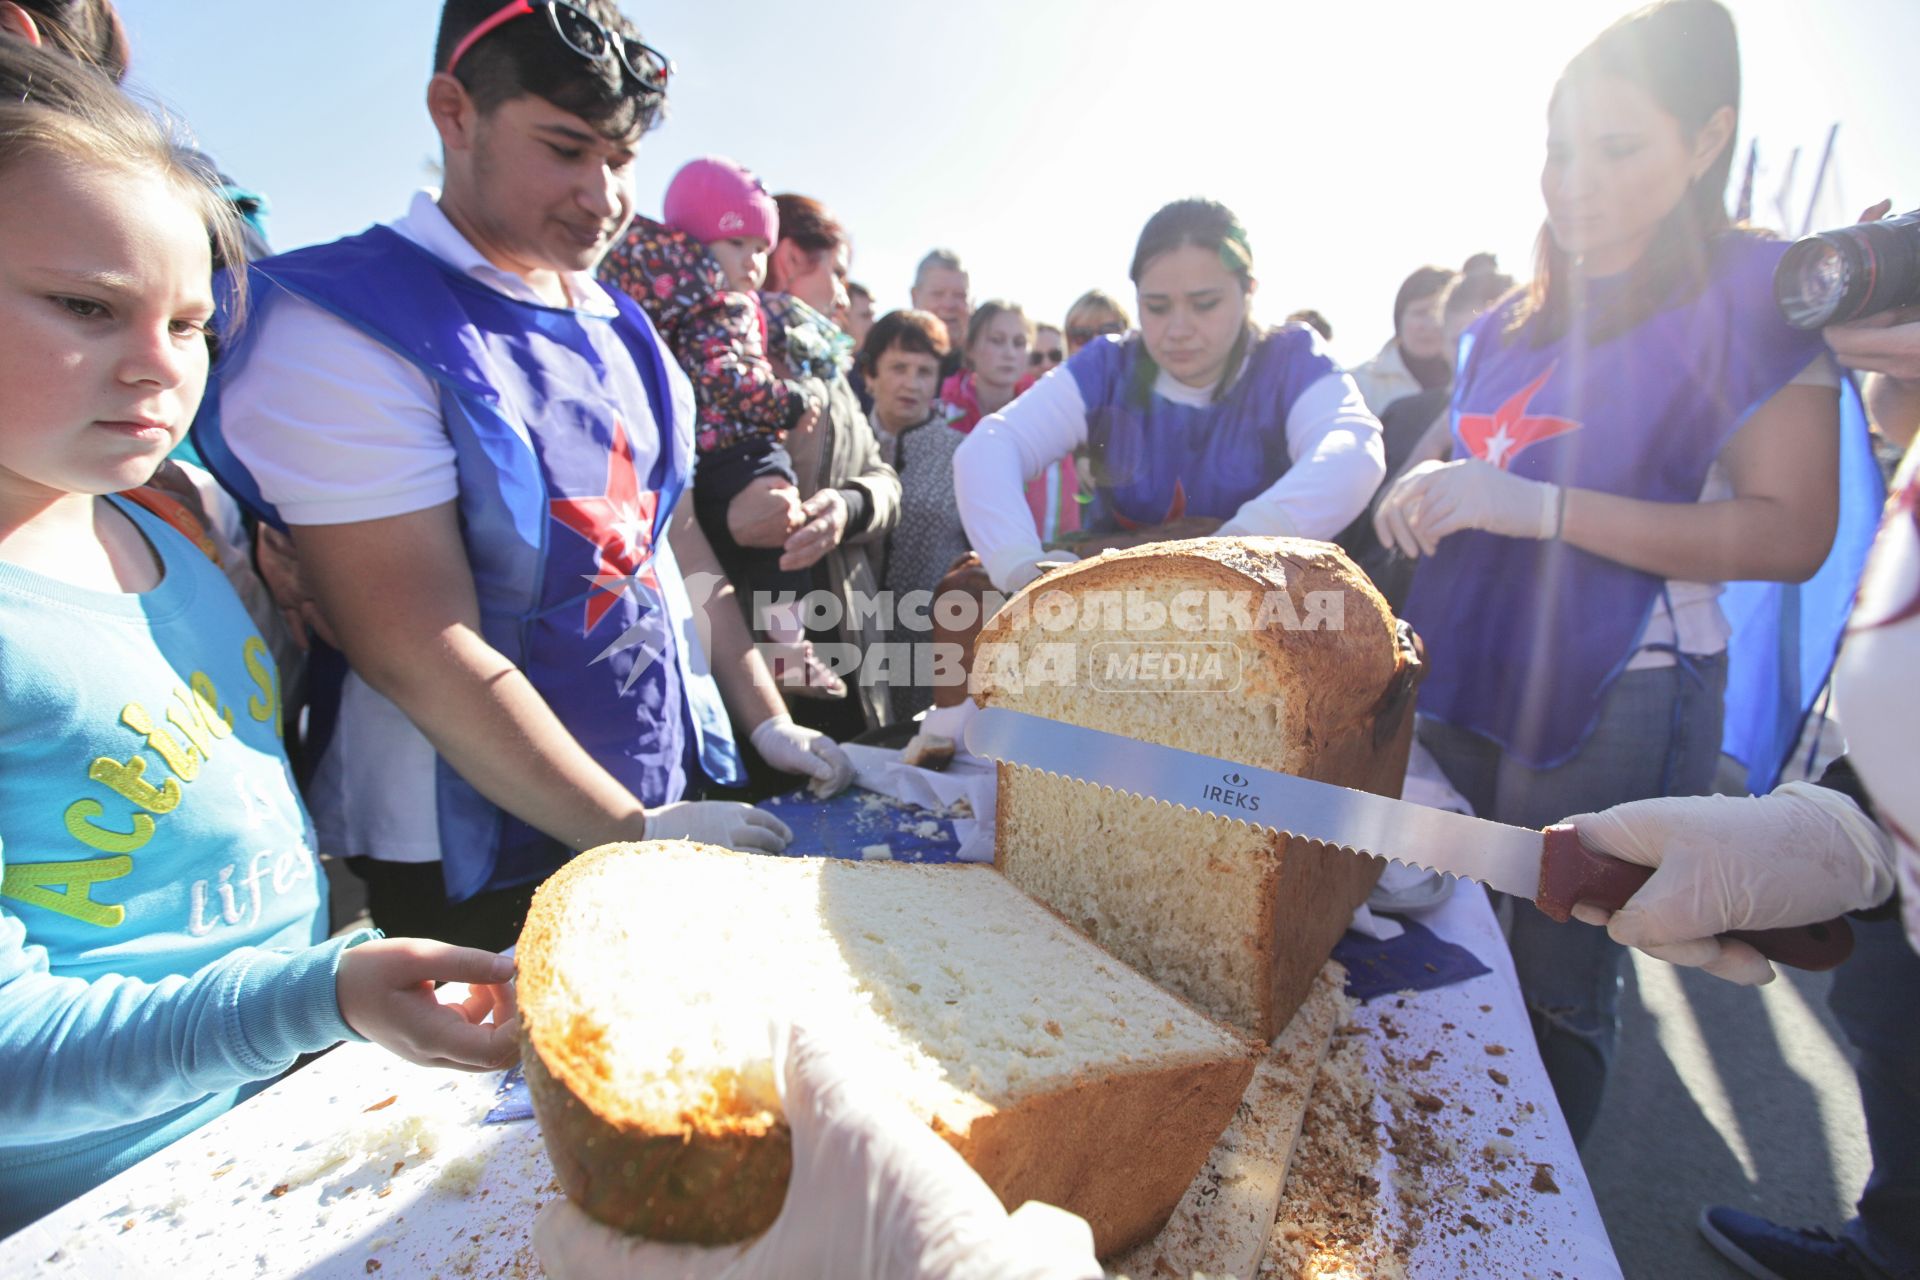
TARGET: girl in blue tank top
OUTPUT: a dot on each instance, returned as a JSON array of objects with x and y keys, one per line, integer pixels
[{"x": 163, "y": 945}]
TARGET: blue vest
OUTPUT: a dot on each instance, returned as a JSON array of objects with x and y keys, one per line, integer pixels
[
  {"x": 1525, "y": 637},
  {"x": 577, "y": 584},
  {"x": 1155, "y": 460}
]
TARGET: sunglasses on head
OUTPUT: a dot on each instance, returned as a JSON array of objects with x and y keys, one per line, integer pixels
[
  {"x": 1079, "y": 337},
  {"x": 645, "y": 66},
  {"x": 1039, "y": 358}
]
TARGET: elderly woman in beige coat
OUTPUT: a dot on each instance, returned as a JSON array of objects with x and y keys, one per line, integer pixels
[{"x": 836, "y": 520}]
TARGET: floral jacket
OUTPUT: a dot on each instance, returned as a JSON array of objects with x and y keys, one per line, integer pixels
[{"x": 716, "y": 335}]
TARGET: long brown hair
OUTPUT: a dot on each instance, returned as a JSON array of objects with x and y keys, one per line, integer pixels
[{"x": 1685, "y": 54}]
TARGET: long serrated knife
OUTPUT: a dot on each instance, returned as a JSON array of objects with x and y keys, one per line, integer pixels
[{"x": 1550, "y": 868}]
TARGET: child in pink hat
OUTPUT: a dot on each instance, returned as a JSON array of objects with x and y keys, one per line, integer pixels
[
  {"x": 724, "y": 207},
  {"x": 697, "y": 274}
]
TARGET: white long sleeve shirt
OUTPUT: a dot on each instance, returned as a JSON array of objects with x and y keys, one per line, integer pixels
[{"x": 1338, "y": 461}]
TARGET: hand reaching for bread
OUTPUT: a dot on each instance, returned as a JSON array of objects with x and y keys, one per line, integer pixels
[
  {"x": 385, "y": 988},
  {"x": 793, "y": 748},
  {"x": 874, "y": 1194},
  {"x": 726, "y": 823}
]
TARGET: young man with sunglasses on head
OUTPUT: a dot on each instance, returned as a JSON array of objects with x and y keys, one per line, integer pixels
[{"x": 481, "y": 454}]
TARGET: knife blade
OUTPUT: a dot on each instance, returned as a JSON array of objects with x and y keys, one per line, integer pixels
[{"x": 1550, "y": 868}]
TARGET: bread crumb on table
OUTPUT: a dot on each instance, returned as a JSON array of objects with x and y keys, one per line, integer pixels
[{"x": 1383, "y": 1169}]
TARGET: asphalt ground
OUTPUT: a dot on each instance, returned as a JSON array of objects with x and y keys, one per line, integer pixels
[{"x": 1723, "y": 1095}]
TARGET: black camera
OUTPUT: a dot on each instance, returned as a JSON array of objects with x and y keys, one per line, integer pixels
[{"x": 1856, "y": 271}]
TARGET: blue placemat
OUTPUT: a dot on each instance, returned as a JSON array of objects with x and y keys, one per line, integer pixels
[
  {"x": 1417, "y": 960},
  {"x": 511, "y": 1101},
  {"x": 856, "y": 820}
]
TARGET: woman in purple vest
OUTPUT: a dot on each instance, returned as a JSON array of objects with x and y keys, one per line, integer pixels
[
  {"x": 1635, "y": 428},
  {"x": 1201, "y": 422}
]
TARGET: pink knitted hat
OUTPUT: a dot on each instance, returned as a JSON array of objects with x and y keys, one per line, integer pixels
[{"x": 713, "y": 198}]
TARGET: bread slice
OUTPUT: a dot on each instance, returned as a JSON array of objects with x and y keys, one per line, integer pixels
[
  {"x": 1222, "y": 1224},
  {"x": 649, "y": 974},
  {"x": 1273, "y": 651}
]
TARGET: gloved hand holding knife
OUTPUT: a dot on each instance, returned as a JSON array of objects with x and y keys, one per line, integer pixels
[{"x": 1555, "y": 869}]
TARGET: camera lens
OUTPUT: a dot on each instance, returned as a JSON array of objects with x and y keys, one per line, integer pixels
[
  {"x": 1811, "y": 283},
  {"x": 1844, "y": 275}
]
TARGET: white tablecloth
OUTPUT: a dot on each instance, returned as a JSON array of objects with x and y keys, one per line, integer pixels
[
  {"x": 1485, "y": 1217},
  {"x": 308, "y": 1180}
]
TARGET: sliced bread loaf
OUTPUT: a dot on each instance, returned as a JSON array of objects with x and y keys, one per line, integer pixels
[
  {"x": 1223, "y": 1222},
  {"x": 649, "y": 974},
  {"x": 1273, "y": 651}
]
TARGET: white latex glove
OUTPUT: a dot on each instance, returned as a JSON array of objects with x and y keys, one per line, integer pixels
[
  {"x": 1435, "y": 499},
  {"x": 874, "y": 1195},
  {"x": 794, "y": 748},
  {"x": 1799, "y": 855},
  {"x": 1034, "y": 567},
  {"x": 726, "y": 823}
]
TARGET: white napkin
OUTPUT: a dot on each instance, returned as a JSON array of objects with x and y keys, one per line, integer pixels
[{"x": 968, "y": 778}]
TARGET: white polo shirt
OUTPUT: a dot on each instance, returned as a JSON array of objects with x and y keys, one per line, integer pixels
[{"x": 337, "y": 429}]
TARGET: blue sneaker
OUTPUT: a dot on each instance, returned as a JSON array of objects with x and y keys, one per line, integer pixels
[{"x": 1768, "y": 1252}]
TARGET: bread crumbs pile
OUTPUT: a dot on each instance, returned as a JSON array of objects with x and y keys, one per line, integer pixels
[
  {"x": 880, "y": 819},
  {"x": 1430, "y": 1161},
  {"x": 1329, "y": 1226}
]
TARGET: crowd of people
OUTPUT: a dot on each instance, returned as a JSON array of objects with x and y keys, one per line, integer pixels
[{"x": 531, "y": 521}]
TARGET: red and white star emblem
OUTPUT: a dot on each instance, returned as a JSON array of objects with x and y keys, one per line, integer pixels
[
  {"x": 1500, "y": 436},
  {"x": 619, "y": 524}
]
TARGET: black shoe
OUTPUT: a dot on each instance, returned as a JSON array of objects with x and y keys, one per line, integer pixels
[{"x": 1768, "y": 1252}]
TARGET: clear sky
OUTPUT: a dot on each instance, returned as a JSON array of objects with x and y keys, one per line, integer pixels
[{"x": 1356, "y": 138}]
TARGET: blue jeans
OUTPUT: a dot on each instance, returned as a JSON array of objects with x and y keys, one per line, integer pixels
[
  {"x": 1876, "y": 1000},
  {"x": 1658, "y": 734}
]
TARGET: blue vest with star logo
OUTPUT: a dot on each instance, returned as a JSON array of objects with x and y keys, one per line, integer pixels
[
  {"x": 1155, "y": 460},
  {"x": 567, "y": 542},
  {"x": 1525, "y": 637}
]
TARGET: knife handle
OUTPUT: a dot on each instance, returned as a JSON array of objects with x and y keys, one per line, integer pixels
[{"x": 1570, "y": 872}]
